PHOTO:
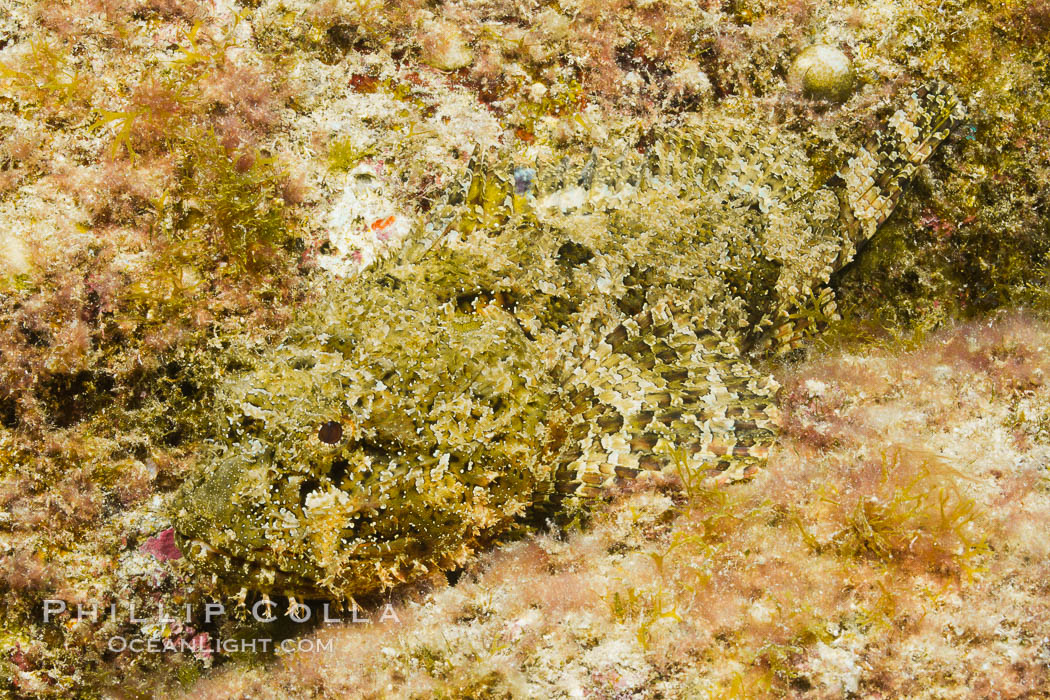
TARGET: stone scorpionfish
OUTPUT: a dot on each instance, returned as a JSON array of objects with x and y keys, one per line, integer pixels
[{"x": 553, "y": 329}]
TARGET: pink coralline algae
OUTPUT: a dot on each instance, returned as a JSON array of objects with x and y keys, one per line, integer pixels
[
  {"x": 162, "y": 546},
  {"x": 200, "y": 644}
]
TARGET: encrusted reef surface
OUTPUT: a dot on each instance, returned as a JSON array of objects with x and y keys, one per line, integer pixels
[{"x": 225, "y": 225}]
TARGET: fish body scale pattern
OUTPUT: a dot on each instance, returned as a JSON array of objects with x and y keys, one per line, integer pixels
[{"x": 559, "y": 324}]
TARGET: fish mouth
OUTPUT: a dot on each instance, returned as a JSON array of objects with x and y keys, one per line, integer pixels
[
  {"x": 261, "y": 571},
  {"x": 248, "y": 572}
]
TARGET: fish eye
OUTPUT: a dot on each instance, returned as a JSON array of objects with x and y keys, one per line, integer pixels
[{"x": 330, "y": 433}]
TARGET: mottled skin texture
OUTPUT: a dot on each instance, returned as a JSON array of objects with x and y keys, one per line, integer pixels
[{"x": 554, "y": 328}]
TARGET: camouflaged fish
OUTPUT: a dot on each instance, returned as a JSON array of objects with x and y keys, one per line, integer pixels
[{"x": 558, "y": 326}]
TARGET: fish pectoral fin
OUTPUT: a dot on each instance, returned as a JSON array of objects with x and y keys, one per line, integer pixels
[
  {"x": 795, "y": 323},
  {"x": 664, "y": 401}
]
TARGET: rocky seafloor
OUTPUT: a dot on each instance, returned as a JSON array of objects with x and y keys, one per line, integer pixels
[{"x": 177, "y": 179}]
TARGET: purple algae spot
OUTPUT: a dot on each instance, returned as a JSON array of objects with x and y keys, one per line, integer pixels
[{"x": 162, "y": 546}]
